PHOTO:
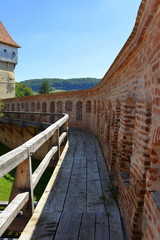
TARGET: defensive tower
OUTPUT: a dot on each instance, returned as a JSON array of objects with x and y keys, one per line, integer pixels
[{"x": 8, "y": 60}]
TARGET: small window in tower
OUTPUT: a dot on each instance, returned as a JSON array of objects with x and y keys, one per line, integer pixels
[
  {"x": 13, "y": 53},
  {"x": 5, "y": 50}
]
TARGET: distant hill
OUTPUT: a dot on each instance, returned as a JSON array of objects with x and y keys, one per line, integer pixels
[{"x": 57, "y": 85}]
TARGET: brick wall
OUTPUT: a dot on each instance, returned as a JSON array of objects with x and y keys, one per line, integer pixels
[{"x": 123, "y": 110}]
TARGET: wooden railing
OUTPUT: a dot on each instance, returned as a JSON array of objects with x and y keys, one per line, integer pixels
[{"x": 21, "y": 198}]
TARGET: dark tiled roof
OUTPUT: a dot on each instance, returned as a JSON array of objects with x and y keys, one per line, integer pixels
[{"x": 5, "y": 37}]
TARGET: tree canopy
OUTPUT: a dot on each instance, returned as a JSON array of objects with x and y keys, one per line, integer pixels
[
  {"x": 45, "y": 88},
  {"x": 62, "y": 84},
  {"x": 23, "y": 90}
]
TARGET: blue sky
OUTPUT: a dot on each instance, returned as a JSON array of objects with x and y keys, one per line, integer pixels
[{"x": 67, "y": 38}]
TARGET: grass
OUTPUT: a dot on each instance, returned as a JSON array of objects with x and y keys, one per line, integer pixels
[
  {"x": 7, "y": 181},
  {"x": 57, "y": 90}
]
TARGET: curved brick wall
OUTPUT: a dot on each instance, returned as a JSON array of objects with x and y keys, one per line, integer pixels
[{"x": 124, "y": 112}]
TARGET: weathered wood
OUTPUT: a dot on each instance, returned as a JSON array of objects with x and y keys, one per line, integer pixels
[
  {"x": 55, "y": 142},
  {"x": 62, "y": 137},
  {"x": 94, "y": 187},
  {"x": 74, "y": 189},
  {"x": 102, "y": 227},
  {"x": 42, "y": 167},
  {"x": 112, "y": 208},
  {"x": 77, "y": 191},
  {"x": 43, "y": 222},
  {"x": 23, "y": 183},
  {"x": 12, "y": 159},
  {"x": 69, "y": 226},
  {"x": 11, "y": 211},
  {"x": 87, "y": 230},
  {"x": 115, "y": 224}
]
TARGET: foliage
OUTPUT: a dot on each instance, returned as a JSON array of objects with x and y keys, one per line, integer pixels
[
  {"x": 45, "y": 88},
  {"x": 113, "y": 190},
  {"x": 62, "y": 84},
  {"x": 23, "y": 90},
  {"x": 1, "y": 108},
  {"x": 108, "y": 214},
  {"x": 102, "y": 197}
]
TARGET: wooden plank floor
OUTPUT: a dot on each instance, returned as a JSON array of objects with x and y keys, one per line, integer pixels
[{"x": 71, "y": 208}]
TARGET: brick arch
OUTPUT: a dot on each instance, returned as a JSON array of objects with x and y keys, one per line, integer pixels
[
  {"x": 18, "y": 110},
  {"x": 59, "y": 107},
  {"x": 52, "y": 110},
  {"x": 26, "y": 107},
  {"x": 32, "y": 107},
  {"x": 101, "y": 119},
  {"x": 44, "y": 107},
  {"x": 88, "y": 106},
  {"x": 68, "y": 106},
  {"x": 12, "y": 107},
  {"x": 95, "y": 107},
  {"x": 22, "y": 106},
  {"x": 18, "y": 107},
  {"x": 38, "y": 106},
  {"x": 125, "y": 142},
  {"x": 79, "y": 110},
  {"x": 108, "y": 120},
  {"x": 115, "y": 122},
  {"x": 7, "y": 107},
  {"x": 140, "y": 163}
]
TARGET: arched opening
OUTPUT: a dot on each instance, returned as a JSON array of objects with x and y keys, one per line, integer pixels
[
  {"x": 38, "y": 106},
  {"x": 126, "y": 134},
  {"x": 22, "y": 106},
  {"x": 18, "y": 107},
  {"x": 95, "y": 107},
  {"x": 44, "y": 107},
  {"x": 108, "y": 117},
  {"x": 59, "y": 107},
  {"x": 88, "y": 107},
  {"x": 12, "y": 107},
  {"x": 68, "y": 106},
  {"x": 32, "y": 110},
  {"x": 52, "y": 110},
  {"x": 26, "y": 107},
  {"x": 79, "y": 109}
]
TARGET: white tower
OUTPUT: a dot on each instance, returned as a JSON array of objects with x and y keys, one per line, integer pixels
[{"x": 8, "y": 60}]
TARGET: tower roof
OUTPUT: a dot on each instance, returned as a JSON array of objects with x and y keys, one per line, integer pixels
[{"x": 6, "y": 38}]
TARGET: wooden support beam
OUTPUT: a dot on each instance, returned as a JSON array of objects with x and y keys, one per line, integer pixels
[
  {"x": 55, "y": 142},
  {"x": 23, "y": 183},
  {"x": 11, "y": 211}
]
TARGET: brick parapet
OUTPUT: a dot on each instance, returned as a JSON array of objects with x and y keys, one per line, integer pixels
[{"x": 124, "y": 112}]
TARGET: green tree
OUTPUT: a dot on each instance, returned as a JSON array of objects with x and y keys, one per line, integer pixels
[
  {"x": 45, "y": 88},
  {"x": 23, "y": 90},
  {"x": 1, "y": 108}
]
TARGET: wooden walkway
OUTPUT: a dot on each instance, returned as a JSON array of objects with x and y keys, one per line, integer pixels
[{"x": 71, "y": 208}]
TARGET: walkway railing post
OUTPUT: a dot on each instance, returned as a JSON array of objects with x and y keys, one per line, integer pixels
[
  {"x": 56, "y": 143},
  {"x": 23, "y": 183},
  {"x": 21, "y": 199}
]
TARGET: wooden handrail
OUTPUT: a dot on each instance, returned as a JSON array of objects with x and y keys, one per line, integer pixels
[
  {"x": 10, "y": 160},
  {"x": 11, "y": 211},
  {"x": 25, "y": 181}
]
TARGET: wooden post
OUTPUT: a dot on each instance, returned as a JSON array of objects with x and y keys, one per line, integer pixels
[
  {"x": 64, "y": 129},
  {"x": 55, "y": 142},
  {"x": 23, "y": 183}
]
